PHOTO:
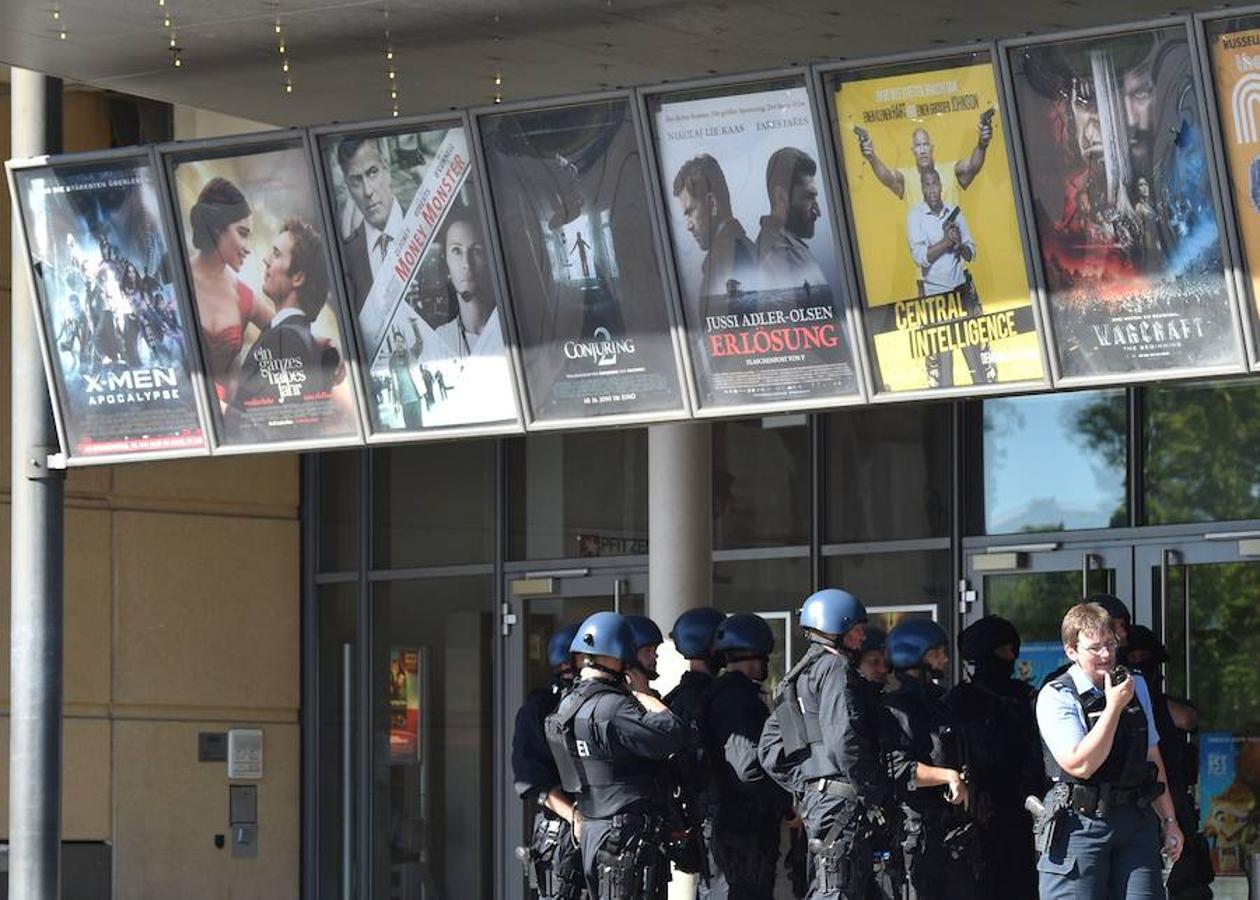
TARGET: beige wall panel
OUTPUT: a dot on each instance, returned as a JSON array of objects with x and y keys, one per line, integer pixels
[
  {"x": 207, "y": 611},
  {"x": 165, "y": 848},
  {"x": 88, "y": 615},
  {"x": 85, "y": 780},
  {"x": 244, "y": 482}
]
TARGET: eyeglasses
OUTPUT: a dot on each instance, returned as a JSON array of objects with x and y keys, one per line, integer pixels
[{"x": 1097, "y": 649}]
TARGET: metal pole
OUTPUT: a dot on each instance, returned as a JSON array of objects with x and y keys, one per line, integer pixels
[
  {"x": 35, "y": 576},
  {"x": 680, "y": 543}
]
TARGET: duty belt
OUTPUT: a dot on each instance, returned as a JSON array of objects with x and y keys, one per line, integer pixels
[
  {"x": 834, "y": 787},
  {"x": 1098, "y": 800}
]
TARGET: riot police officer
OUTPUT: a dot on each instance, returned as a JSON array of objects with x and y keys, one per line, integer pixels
[
  {"x": 822, "y": 743},
  {"x": 1096, "y": 836},
  {"x": 607, "y": 742},
  {"x": 647, "y": 637},
  {"x": 938, "y": 844},
  {"x": 1176, "y": 720},
  {"x": 552, "y": 862},
  {"x": 692, "y": 635},
  {"x": 993, "y": 713},
  {"x": 742, "y": 827}
]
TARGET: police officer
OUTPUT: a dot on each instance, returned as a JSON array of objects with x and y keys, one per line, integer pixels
[
  {"x": 938, "y": 841},
  {"x": 647, "y": 637},
  {"x": 1176, "y": 720},
  {"x": 607, "y": 742},
  {"x": 552, "y": 862},
  {"x": 822, "y": 742},
  {"x": 742, "y": 827},
  {"x": 1099, "y": 838},
  {"x": 993, "y": 713},
  {"x": 692, "y": 635},
  {"x": 872, "y": 661}
]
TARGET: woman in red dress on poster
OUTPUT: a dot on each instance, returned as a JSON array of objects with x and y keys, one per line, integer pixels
[{"x": 222, "y": 226}]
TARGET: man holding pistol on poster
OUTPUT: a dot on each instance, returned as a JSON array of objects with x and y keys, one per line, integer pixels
[{"x": 940, "y": 244}]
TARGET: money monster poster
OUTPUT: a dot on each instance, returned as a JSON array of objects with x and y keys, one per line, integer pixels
[
  {"x": 118, "y": 342},
  {"x": 947, "y": 300},
  {"x": 257, "y": 260},
  {"x": 1236, "y": 67},
  {"x": 753, "y": 246},
  {"x": 416, "y": 265},
  {"x": 570, "y": 201},
  {"x": 1123, "y": 207}
]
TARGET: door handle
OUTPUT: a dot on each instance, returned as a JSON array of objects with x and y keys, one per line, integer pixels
[
  {"x": 1086, "y": 567},
  {"x": 347, "y": 770},
  {"x": 617, "y": 596}
]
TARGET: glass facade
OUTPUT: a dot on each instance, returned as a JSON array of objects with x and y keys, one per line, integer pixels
[{"x": 1016, "y": 506}]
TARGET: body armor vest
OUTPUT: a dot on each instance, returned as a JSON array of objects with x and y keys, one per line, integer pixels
[
  {"x": 1126, "y": 765},
  {"x": 603, "y": 782}
]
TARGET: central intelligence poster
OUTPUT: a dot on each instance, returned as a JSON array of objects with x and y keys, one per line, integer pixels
[
  {"x": 117, "y": 340},
  {"x": 416, "y": 265},
  {"x": 947, "y": 300},
  {"x": 1123, "y": 204},
  {"x": 753, "y": 246},
  {"x": 588, "y": 300},
  {"x": 270, "y": 328}
]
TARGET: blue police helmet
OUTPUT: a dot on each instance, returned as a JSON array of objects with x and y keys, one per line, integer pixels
[
  {"x": 604, "y": 634},
  {"x": 558, "y": 646},
  {"x": 745, "y": 633},
  {"x": 646, "y": 632},
  {"x": 693, "y": 632},
  {"x": 911, "y": 639},
  {"x": 832, "y": 611}
]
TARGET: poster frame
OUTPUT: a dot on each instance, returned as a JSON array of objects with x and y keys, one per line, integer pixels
[
  {"x": 196, "y": 371},
  {"x": 1006, "y": 48},
  {"x": 823, "y": 73},
  {"x": 171, "y": 154},
  {"x": 1239, "y": 270},
  {"x": 385, "y": 126},
  {"x": 645, "y": 96},
  {"x": 683, "y": 411}
]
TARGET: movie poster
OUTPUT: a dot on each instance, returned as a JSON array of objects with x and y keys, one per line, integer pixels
[
  {"x": 947, "y": 300},
  {"x": 576, "y": 234},
  {"x": 276, "y": 361},
  {"x": 755, "y": 255},
  {"x": 1236, "y": 65},
  {"x": 1229, "y": 797},
  {"x": 1123, "y": 205},
  {"x": 117, "y": 340},
  {"x": 416, "y": 265},
  {"x": 404, "y": 705}
]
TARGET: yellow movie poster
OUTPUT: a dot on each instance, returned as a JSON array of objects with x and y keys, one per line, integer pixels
[
  {"x": 1236, "y": 67},
  {"x": 947, "y": 302}
]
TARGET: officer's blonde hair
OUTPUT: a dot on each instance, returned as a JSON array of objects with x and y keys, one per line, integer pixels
[{"x": 1086, "y": 618}]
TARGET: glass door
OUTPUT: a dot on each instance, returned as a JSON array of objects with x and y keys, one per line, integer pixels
[
  {"x": 535, "y": 605},
  {"x": 1033, "y": 585},
  {"x": 1205, "y": 598}
]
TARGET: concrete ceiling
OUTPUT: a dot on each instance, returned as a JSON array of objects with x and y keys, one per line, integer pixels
[{"x": 447, "y": 52}]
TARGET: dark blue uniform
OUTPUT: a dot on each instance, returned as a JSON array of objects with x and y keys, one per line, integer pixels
[
  {"x": 747, "y": 810},
  {"x": 993, "y": 714},
  {"x": 938, "y": 842},
  {"x": 554, "y": 865},
  {"x": 839, "y": 775},
  {"x": 607, "y": 748}
]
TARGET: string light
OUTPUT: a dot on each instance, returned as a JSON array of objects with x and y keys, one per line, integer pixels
[
  {"x": 391, "y": 72},
  {"x": 61, "y": 26},
  {"x": 282, "y": 47},
  {"x": 498, "y": 87}
]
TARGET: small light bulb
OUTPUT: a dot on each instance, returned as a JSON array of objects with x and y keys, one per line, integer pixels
[
  {"x": 393, "y": 95},
  {"x": 283, "y": 49},
  {"x": 498, "y": 80},
  {"x": 389, "y": 55},
  {"x": 277, "y": 28},
  {"x": 62, "y": 34},
  {"x": 288, "y": 88},
  {"x": 392, "y": 74},
  {"x": 178, "y": 62},
  {"x": 166, "y": 21},
  {"x": 171, "y": 42},
  {"x": 285, "y": 66},
  {"x": 56, "y": 13}
]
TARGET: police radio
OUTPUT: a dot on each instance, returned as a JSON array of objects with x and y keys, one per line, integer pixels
[{"x": 1119, "y": 675}]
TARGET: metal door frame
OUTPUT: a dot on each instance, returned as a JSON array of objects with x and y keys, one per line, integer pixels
[
  {"x": 606, "y": 577},
  {"x": 1037, "y": 557}
]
